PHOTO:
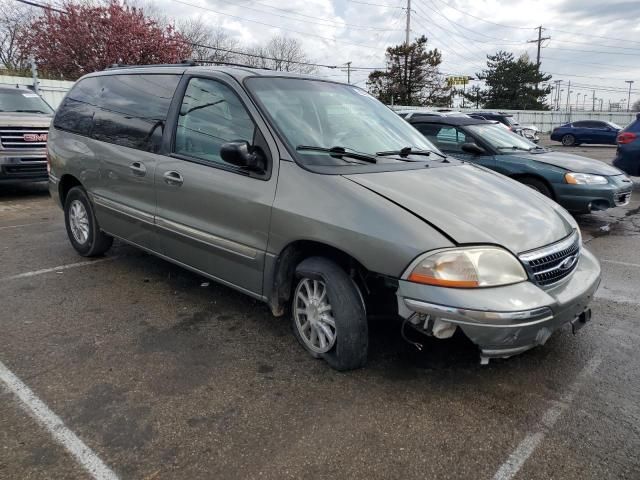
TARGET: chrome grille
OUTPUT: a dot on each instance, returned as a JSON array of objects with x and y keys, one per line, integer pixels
[
  {"x": 22, "y": 138},
  {"x": 550, "y": 264}
]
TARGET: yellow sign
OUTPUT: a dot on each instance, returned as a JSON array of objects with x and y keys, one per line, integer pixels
[{"x": 463, "y": 80}]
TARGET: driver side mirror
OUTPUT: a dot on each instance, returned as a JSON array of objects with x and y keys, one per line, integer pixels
[
  {"x": 472, "y": 148},
  {"x": 241, "y": 154}
]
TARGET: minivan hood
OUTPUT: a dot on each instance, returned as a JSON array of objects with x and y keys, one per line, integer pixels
[
  {"x": 473, "y": 205},
  {"x": 573, "y": 163},
  {"x": 17, "y": 119}
]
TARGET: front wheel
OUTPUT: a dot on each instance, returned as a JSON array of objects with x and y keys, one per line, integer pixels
[
  {"x": 82, "y": 226},
  {"x": 537, "y": 185},
  {"x": 328, "y": 314}
]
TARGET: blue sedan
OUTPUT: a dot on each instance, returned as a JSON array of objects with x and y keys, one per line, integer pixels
[
  {"x": 586, "y": 131},
  {"x": 628, "y": 152}
]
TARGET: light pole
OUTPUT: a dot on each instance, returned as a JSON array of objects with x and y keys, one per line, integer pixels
[
  {"x": 584, "y": 99},
  {"x": 578, "y": 100},
  {"x": 601, "y": 103},
  {"x": 630, "y": 82},
  {"x": 559, "y": 98}
]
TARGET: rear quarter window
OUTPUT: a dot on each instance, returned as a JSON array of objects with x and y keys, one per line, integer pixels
[{"x": 76, "y": 112}]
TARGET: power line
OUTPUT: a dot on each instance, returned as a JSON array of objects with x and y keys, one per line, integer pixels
[
  {"x": 307, "y": 34},
  {"x": 597, "y": 36},
  {"x": 483, "y": 19},
  {"x": 46, "y": 7},
  {"x": 593, "y": 51},
  {"x": 385, "y": 5}
]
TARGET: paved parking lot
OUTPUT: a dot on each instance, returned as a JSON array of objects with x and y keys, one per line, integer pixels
[{"x": 159, "y": 374}]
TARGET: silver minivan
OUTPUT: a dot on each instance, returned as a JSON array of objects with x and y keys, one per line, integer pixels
[{"x": 314, "y": 197}]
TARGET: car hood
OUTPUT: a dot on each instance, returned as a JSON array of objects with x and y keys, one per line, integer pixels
[
  {"x": 17, "y": 119},
  {"x": 573, "y": 163},
  {"x": 473, "y": 205}
]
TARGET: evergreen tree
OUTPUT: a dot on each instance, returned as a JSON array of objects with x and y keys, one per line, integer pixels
[
  {"x": 412, "y": 76},
  {"x": 510, "y": 83}
]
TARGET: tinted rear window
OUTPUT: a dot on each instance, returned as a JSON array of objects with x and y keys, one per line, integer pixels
[{"x": 128, "y": 110}]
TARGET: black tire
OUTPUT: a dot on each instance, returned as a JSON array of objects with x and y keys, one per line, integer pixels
[
  {"x": 537, "y": 185},
  {"x": 352, "y": 331},
  {"x": 97, "y": 242},
  {"x": 568, "y": 140}
]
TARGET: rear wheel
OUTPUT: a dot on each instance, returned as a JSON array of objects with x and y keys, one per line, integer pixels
[
  {"x": 328, "y": 314},
  {"x": 537, "y": 185},
  {"x": 82, "y": 226},
  {"x": 568, "y": 140}
]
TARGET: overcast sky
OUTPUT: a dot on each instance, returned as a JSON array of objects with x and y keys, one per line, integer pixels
[{"x": 584, "y": 47}]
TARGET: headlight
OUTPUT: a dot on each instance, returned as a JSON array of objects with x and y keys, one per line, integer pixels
[
  {"x": 585, "y": 179},
  {"x": 468, "y": 268}
]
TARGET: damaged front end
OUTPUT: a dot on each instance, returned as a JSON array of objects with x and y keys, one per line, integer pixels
[{"x": 504, "y": 320}]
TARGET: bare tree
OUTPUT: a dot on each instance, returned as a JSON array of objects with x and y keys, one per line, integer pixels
[
  {"x": 280, "y": 53},
  {"x": 14, "y": 19},
  {"x": 212, "y": 44}
]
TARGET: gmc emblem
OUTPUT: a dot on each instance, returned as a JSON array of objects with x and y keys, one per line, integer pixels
[{"x": 35, "y": 137}]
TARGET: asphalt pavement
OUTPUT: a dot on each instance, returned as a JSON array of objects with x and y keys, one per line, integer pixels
[{"x": 143, "y": 370}]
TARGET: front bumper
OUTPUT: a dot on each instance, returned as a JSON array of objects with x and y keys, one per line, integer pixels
[
  {"x": 505, "y": 321},
  {"x": 587, "y": 198},
  {"x": 23, "y": 166}
]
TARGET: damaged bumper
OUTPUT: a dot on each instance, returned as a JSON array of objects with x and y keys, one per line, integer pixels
[{"x": 503, "y": 321}]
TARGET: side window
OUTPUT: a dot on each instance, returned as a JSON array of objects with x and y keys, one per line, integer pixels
[
  {"x": 581, "y": 124},
  {"x": 450, "y": 139},
  {"x": 211, "y": 114},
  {"x": 132, "y": 110},
  {"x": 76, "y": 112}
]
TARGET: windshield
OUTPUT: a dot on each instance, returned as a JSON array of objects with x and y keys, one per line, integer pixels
[
  {"x": 19, "y": 100},
  {"x": 500, "y": 138},
  {"x": 324, "y": 114}
]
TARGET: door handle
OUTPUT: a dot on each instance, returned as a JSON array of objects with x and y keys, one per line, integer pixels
[
  {"x": 138, "y": 168},
  {"x": 173, "y": 178}
]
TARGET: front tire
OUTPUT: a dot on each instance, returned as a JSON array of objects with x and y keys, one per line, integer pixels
[
  {"x": 82, "y": 226},
  {"x": 328, "y": 314},
  {"x": 537, "y": 185},
  {"x": 568, "y": 140}
]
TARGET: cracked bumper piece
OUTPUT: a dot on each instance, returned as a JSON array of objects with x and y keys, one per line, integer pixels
[{"x": 506, "y": 321}]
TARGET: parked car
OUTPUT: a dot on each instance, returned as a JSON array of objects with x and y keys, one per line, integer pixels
[
  {"x": 315, "y": 198},
  {"x": 24, "y": 123},
  {"x": 628, "y": 151},
  {"x": 586, "y": 131},
  {"x": 577, "y": 183},
  {"x": 530, "y": 132}
]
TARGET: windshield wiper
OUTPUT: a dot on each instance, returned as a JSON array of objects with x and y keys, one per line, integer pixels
[
  {"x": 515, "y": 148},
  {"x": 406, "y": 151},
  {"x": 29, "y": 111},
  {"x": 339, "y": 152}
]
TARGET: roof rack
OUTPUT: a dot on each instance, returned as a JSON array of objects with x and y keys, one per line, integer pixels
[
  {"x": 186, "y": 63},
  {"x": 183, "y": 63}
]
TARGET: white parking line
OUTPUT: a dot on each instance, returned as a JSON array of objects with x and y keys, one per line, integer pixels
[
  {"x": 528, "y": 445},
  {"x": 50, "y": 421},
  {"x": 56, "y": 269},
  {"x": 616, "y": 262}
]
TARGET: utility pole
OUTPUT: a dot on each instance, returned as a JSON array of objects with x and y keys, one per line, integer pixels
[
  {"x": 593, "y": 107},
  {"x": 556, "y": 100},
  {"x": 407, "y": 32},
  {"x": 539, "y": 42},
  {"x": 630, "y": 82},
  {"x": 568, "y": 94},
  {"x": 348, "y": 70},
  {"x": 34, "y": 75}
]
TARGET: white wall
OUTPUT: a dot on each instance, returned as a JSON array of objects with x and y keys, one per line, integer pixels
[
  {"x": 53, "y": 91},
  {"x": 548, "y": 120}
]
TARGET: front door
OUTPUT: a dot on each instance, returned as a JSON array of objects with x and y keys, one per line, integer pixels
[{"x": 212, "y": 216}]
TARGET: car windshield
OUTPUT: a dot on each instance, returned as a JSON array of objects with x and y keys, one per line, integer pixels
[
  {"x": 315, "y": 113},
  {"x": 22, "y": 101},
  {"x": 500, "y": 138}
]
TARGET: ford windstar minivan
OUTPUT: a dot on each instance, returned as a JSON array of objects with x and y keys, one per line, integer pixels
[{"x": 314, "y": 197}]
